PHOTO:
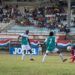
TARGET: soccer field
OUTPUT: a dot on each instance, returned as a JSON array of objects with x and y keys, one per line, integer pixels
[{"x": 13, "y": 65}]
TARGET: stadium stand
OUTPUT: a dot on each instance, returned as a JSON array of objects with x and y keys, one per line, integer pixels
[{"x": 42, "y": 19}]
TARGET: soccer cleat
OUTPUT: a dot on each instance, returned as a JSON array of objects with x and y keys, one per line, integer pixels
[
  {"x": 64, "y": 60},
  {"x": 32, "y": 59}
]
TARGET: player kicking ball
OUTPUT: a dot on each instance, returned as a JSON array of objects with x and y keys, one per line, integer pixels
[
  {"x": 25, "y": 45},
  {"x": 51, "y": 47}
]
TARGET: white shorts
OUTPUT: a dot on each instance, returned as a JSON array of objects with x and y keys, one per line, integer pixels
[
  {"x": 25, "y": 47},
  {"x": 54, "y": 51}
]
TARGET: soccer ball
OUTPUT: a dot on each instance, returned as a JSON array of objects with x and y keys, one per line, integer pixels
[{"x": 68, "y": 48}]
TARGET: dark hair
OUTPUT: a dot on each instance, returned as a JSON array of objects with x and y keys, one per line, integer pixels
[
  {"x": 51, "y": 33},
  {"x": 27, "y": 31}
]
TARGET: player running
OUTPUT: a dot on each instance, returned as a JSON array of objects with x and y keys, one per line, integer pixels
[
  {"x": 25, "y": 44},
  {"x": 51, "y": 47}
]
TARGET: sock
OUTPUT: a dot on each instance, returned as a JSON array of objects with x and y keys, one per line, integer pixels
[
  {"x": 43, "y": 60},
  {"x": 61, "y": 56},
  {"x": 31, "y": 56},
  {"x": 23, "y": 55}
]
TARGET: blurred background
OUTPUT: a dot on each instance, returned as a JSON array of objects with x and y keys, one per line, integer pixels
[{"x": 39, "y": 17}]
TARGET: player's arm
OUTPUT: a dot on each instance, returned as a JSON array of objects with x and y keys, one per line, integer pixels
[
  {"x": 29, "y": 42},
  {"x": 56, "y": 41},
  {"x": 19, "y": 37},
  {"x": 45, "y": 41}
]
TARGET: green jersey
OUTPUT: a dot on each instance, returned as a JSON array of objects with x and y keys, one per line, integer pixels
[
  {"x": 50, "y": 43},
  {"x": 24, "y": 40}
]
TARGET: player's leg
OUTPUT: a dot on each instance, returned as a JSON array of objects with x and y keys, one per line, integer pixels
[
  {"x": 44, "y": 57},
  {"x": 73, "y": 55},
  {"x": 29, "y": 49},
  {"x": 23, "y": 52},
  {"x": 31, "y": 55},
  {"x": 60, "y": 54},
  {"x": 72, "y": 59}
]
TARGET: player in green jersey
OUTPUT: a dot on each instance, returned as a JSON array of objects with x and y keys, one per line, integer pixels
[
  {"x": 25, "y": 45},
  {"x": 51, "y": 47}
]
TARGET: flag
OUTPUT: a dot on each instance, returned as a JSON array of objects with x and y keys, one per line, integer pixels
[
  {"x": 62, "y": 43},
  {"x": 4, "y": 42}
]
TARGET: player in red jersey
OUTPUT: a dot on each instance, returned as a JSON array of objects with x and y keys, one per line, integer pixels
[{"x": 72, "y": 54}]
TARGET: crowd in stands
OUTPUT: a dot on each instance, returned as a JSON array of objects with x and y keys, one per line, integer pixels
[
  {"x": 8, "y": 12},
  {"x": 49, "y": 17},
  {"x": 4, "y": 14}
]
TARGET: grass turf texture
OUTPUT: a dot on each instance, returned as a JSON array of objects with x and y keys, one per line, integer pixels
[{"x": 13, "y": 65}]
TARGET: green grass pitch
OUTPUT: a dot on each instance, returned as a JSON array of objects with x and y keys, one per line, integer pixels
[{"x": 13, "y": 65}]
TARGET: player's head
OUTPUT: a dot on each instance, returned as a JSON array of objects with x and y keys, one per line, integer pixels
[
  {"x": 27, "y": 31},
  {"x": 51, "y": 33}
]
